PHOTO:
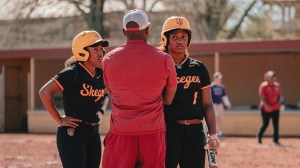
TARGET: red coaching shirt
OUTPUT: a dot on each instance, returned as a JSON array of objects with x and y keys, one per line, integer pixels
[
  {"x": 137, "y": 73},
  {"x": 271, "y": 93}
]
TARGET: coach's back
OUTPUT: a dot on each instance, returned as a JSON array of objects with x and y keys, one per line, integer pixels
[{"x": 137, "y": 73}]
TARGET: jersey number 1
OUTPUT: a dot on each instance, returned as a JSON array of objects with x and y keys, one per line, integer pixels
[{"x": 195, "y": 97}]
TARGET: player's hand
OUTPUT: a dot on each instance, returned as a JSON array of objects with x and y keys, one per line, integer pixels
[
  {"x": 214, "y": 142},
  {"x": 228, "y": 106},
  {"x": 100, "y": 116},
  {"x": 267, "y": 107},
  {"x": 69, "y": 121},
  {"x": 216, "y": 151}
]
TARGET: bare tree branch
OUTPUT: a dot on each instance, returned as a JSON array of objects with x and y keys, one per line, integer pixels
[
  {"x": 144, "y": 5},
  {"x": 226, "y": 17},
  {"x": 238, "y": 25},
  {"x": 78, "y": 6},
  {"x": 153, "y": 5}
]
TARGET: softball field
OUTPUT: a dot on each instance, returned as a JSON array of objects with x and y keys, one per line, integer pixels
[{"x": 39, "y": 151}]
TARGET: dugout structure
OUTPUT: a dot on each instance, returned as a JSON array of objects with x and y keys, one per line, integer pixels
[{"x": 243, "y": 64}]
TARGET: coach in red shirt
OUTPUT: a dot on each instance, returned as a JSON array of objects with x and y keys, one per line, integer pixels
[
  {"x": 141, "y": 80},
  {"x": 270, "y": 102}
]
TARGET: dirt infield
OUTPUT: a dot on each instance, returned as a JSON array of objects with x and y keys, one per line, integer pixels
[{"x": 39, "y": 151}]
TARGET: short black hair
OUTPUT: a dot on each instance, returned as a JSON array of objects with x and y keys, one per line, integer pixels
[{"x": 132, "y": 24}]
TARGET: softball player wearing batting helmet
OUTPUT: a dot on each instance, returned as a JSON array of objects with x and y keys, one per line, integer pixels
[
  {"x": 192, "y": 101},
  {"x": 82, "y": 86}
]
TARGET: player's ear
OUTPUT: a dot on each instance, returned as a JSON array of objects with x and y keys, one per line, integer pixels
[
  {"x": 147, "y": 31},
  {"x": 124, "y": 32}
]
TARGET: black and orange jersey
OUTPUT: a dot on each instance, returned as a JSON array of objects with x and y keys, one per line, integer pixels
[
  {"x": 82, "y": 91},
  {"x": 192, "y": 77}
]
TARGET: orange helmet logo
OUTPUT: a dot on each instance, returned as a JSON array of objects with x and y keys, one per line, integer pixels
[
  {"x": 179, "y": 21},
  {"x": 175, "y": 22}
]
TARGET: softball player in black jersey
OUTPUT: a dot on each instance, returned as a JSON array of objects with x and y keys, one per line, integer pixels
[
  {"x": 192, "y": 102},
  {"x": 82, "y": 86}
]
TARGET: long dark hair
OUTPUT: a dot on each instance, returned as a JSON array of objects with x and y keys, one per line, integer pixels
[{"x": 165, "y": 48}]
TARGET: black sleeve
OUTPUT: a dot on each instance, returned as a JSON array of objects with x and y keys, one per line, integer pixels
[
  {"x": 205, "y": 78},
  {"x": 66, "y": 77}
]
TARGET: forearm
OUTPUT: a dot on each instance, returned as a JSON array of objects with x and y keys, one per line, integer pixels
[
  {"x": 168, "y": 95},
  {"x": 104, "y": 102},
  {"x": 46, "y": 94},
  {"x": 50, "y": 106},
  {"x": 226, "y": 101},
  {"x": 210, "y": 119},
  {"x": 213, "y": 140},
  {"x": 262, "y": 98}
]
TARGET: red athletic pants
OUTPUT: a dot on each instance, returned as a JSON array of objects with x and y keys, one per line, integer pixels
[{"x": 134, "y": 151}]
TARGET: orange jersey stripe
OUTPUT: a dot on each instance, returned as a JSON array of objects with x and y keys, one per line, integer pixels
[
  {"x": 204, "y": 87},
  {"x": 59, "y": 85},
  {"x": 92, "y": 74}
]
